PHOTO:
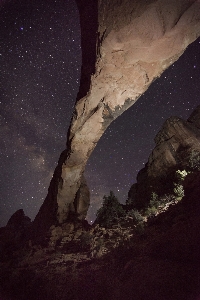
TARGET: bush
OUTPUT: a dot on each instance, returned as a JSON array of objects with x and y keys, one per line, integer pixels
[
  {"x": 178, "y": 185},
  {"x": 194, "y": 160},
  {"x": 178, "y": 190},
  {"x": 154, "y": 201},
  {"x": 180, "y": 175},
  {"x": 151, "y": 211},
  {"x": 136, "y": 215},
  {"x": 110, "y": 212},
  {"x": 167, "y": 198}
]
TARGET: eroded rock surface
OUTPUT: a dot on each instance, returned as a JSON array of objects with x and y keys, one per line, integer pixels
[
  {"x": 136, "y": 41},
  {"x": 177, "y": 147},
  {"x": 77, "y": 209}
]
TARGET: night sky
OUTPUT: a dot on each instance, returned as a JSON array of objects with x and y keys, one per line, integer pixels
[{"x": 40, "y": 61}]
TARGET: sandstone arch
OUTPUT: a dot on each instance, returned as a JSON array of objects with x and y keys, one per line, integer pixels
[{"x": 126, "y": 45}]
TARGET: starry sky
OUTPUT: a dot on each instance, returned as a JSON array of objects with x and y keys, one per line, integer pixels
[{"x": 40, "y": 61}]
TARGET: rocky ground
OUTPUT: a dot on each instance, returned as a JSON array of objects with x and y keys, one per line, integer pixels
[{"x": 157, "y": 261}]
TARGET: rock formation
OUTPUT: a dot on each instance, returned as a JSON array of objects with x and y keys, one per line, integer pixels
[
  {"x": 177, "y": 144},
  {"x": 18, "y": 220},
  {"x": 141, "y": 256},
  {"x": 126, "y": 45},
  {"x": 14, "y": 234}
]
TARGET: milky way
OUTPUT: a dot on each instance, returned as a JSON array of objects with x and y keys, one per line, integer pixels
[{"x": 40, "y": 58}]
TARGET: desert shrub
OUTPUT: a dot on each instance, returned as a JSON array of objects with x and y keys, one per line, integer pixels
[
  {"x": 110, "y": 212},
  {"x": 178, "y": 190},
  {"x": 136, "y": 215},
  {"x": 194, "y": 160},
  {"x": 129, "y": 202},
  {"x": 151, "y": 211},
  {"x": 153, "y": 205},
  {"x": 154, "y": 201},
  {"x": 180, "y": 175},
  {"x": 167, "y": 198},
  {"x": 178, "y": 185}
]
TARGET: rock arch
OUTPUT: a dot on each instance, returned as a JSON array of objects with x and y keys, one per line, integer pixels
[{"x": 126, "y": 45}]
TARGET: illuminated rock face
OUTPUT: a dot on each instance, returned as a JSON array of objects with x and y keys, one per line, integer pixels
[
  {"x": 174, "y": 144},
  {"x": 177, "y": 148},
  {"x": 135, "y": 41}
]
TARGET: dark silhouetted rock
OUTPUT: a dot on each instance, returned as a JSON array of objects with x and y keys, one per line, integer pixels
[
  {"x": 18, "y": 220},
  {"x": 14, "y": 236}
]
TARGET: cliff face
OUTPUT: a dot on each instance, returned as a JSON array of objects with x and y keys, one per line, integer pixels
[
  {"x": 174, "y": 143},
  {"x": 177, "y": 147},
  {"x": 126, "y": 45}
]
